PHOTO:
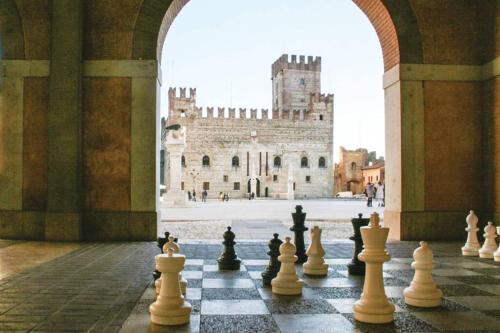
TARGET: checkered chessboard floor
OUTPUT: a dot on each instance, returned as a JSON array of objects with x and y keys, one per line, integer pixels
[{"x": 238, "y": 302}]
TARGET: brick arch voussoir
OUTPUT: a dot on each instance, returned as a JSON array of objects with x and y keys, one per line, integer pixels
[
  {"x": 396, "y": 26},
  {"x": 11, "y": 32}
]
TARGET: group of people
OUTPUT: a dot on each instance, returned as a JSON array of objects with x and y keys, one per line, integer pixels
[
  {"x": 223, "y": 196},
  {"x": 376, "y": 191},
  {"x": 192, "y": 196}
]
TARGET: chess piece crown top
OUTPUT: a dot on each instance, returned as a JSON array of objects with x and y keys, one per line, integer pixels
[
  {"x": 423, "y": 253},
  {"x": 298, "y": 209},
  {"x": 275, "y": 241},
  {"x": 375, "y": 220},
  {"x": 171, "y": 245},
  {"x": 287, "y": 248},
  {"x": 229, "y": 235},
  {"x": 490, "y": 228}
]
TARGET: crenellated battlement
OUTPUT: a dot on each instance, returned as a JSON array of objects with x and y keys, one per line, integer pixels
[
  {"x": 283, "y": 62},
  {"x": 321, "y": 98},
  {"x": 172, "y": 93}
]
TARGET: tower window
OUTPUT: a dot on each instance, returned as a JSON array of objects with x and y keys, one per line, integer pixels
[
  {"x": 225, "y": 178},
  {"x": 353, "y": 166},
  {"x": 302, "y": 82},
  {"x": 275, "y": 178},
  {"x": 206, "y": 186},
  {"x": 183, "y": 161},
  {"x": 320, "y": 117},
  {"x": 308, "y": 179},
  {"x": 205, "y": 161},
  {"x": 236, "y": 186}
]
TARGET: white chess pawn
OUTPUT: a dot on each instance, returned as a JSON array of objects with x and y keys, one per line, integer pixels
[
  {"x": 496, "y": 255},
  {"x": 176, "y": 248},
  {"x": 315, "y": 264},
  {"x": 170, "y": 307},
  {"x": 373, "y": 306},
  {"x": 472, "y": 246},
  {"x": 422, "y": 291},
  {"x": 287, "y": 281},
  {"x": 490, "y": 244}
]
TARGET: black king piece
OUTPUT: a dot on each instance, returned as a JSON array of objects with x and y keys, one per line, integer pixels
[
  {"x": 228, "y": 260},
  {"x": 274, "y": 265},
  {"x": 298, "y": 228},
  {"x": 356, "y": 266},
  {"x": 160, "y": 242}
]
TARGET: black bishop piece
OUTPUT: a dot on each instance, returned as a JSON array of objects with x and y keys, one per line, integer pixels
[
  {"x": 274, "y": 265},
  {"x": 356, "y": 266},
  {"x": 228, "y": 260},
  {"x": 298, "y": 228}
]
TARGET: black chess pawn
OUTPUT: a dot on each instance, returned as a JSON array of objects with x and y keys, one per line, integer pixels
[
  {"x": 160, "y": 242},
  {"x": 298, "y": 228},
  {"x": 274, "y": 265},
  {"x": 228, "y": 260},
  {"x": 356, "y": 266}
]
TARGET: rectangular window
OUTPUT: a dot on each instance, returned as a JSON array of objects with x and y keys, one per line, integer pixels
[
  {"x": 275, "y": 178},
  {"x": 236, "y": 186},
  {"x": 226, "y": 178},
  {"x": 182, "y": 186},
  {"x": 308, "y": 179},
  {"x": 320, "y": 117},
  {"x": 377, "y": 177},
  {"x": 206, "y": 186}
]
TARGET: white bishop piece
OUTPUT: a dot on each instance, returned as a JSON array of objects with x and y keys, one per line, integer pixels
[
  {"x": 496, "y": 255},
  {"x": 176, "y": 248},
  {"x": 287, "y": 281},
  {"x": 315, "y": 264},
  {"x": 490, "y": 244},
  {"x": 373, "y": 307},
  {"x": 170, "y": 308},
  {"x": 472, "y": 246},
  {"x": 422, "y": 291}
]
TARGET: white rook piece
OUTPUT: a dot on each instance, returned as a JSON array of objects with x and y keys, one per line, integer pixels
[
  {"x": 422, "y": 291},
  {"x": 490, "y": 244},
  {"x": 472, "y": 246},
  {"x": 287, "y": 281},
  {"x": 315, "y": 264},
  {"x": 176, "y": 248},
  {"x": 170, "y": 308},
  {"x": 373, "y": 307},
  {"x": 496, "y": 255}
]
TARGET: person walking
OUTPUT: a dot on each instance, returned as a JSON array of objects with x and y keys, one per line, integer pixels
[
  {"x": 380, "y": 194},
  {"x": 204, "y": 196},
  {"x": 189, "y": 195},
  {"x": 194, "y": 195},
  {"x": 370, "y": 193}
]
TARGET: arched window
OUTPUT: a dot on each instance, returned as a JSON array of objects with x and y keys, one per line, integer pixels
[
  {"x": 353, "y": 166},
  {"x": 303, "y": 162},
  {"x": 277, "y": 162},
  {"x": 183, "y": 161},
  {"x": 235, "y": 162},
  {"x": 205, "y": 161},
  {"x": 322, "y": 162}
]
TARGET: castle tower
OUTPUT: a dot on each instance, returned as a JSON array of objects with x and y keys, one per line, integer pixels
[
  {"x": 294, "y": 81},
  {"x": 181, "y": 105}
]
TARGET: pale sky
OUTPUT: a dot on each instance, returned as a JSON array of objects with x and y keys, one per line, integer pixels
[{"x": 227, "y": 56}]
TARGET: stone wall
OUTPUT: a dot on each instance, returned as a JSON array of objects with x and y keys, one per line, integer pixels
[{"x": 348, "y": 172}]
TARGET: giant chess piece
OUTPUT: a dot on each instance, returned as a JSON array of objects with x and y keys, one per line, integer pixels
[
  {"x": 490, "y": 244},
  {"x": 287, "y": 281},
  {"x": 274, "y": 265},
  {"x": 170, "y": 308},
  {"x": 472, "y": 246},
  {"x": 229, "y": 261},
  {"x": 356, "y": 266},
  {"x": 315, "y": 264},
  {"x": 298, "y": 228},
  {"x": 496, "y": 255},
  {"x": 422, "y": 291},
  {"x": 171, "y": 244},
  {"x": 160, "y": 242},
  {"x": 373, "y": 307}
]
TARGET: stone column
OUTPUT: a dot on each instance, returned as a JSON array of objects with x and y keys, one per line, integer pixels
[{"x": 176, "y": 142}]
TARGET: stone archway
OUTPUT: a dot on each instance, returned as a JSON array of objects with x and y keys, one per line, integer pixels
[{"x": 384, "y": 16}]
